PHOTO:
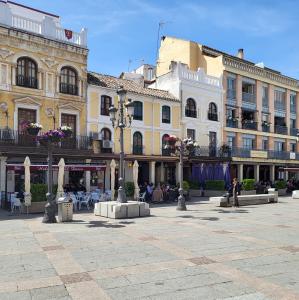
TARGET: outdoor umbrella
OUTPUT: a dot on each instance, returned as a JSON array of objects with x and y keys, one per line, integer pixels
[
  {"x": 112, "y": 172},
  {"x": 204, "y": 176},
  {"x": 219, "y": 174},
  {"x": 210, "y": 172},
  {"x": 135, "y": 180},
  {"x": 60, "y": 191},
  {"x": 27, "y": 164}
]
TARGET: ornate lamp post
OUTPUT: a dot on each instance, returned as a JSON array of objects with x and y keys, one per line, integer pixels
[
  {"x": 121, "y": 117},
  {"x": 185, "y": 147}
]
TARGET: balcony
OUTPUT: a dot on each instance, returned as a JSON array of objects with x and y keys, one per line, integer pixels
[
  {"x": 278, "y": 154},
  {"x": 231, "y": 94},
  {"x": 29, "y": 82},
  {"x": 233, "y": 123},
  {"x": 265, "y": 102},
  {"x": 249, "y": 124},
  {"x": 190, "y": 113},
  {"x": 293, "y": 109},
  {"x": 69, "y": 89},
  {"x": 248, "y": 97},
  {"x": 265, "y": 127},
  {"x": 213, "y": 117},
  {"x": 279, "y": 106},
  {"x": 281, "y": 129},
  {"x": 241, "y": 152},
  {"x": 14, "y": 141},
  {"x": 137, "y": 150},
  {"x": 294, "y": 131}
]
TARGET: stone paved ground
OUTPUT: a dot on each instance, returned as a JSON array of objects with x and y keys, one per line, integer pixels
[{"x": 207, "y": 252}]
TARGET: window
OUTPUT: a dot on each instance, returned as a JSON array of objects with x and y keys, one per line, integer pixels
[
  {"x": 278, "y": 146},
  {"x": 106, "y": 138},
  {"x": 293, "y": 103},
  {"x": 248, "y": 143},
  {"x": 106, "y": 103},
  {"x": 265, "y": 144},
  {"x": 25, "y": 115},
  {"x": 138, "y": 111},
  {"x": 191, "y": 134},
  {"x": 265, "y": 96},
  {"x": 213, "y": 114},
  {"x": 279, "y": 100},
  {"x": 231, "y": 141},
  {"x": 231, "y": 88},
  {"x": 293, "y": 147},
  {"x": 26, "y": 73},
  {"x": 293, "y": 123},
  {"x": 190, "y": 109},
  {"x": 137, "y": 143},
  {"x": 71, "y": 121},
  {"x": 68, "y": 81},
  {"x": 247, "y": 88},
  {"x": 165, "y": 114}
]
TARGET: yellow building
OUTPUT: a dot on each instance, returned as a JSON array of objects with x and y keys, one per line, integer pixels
[
  {"x": 260, "y": 107},
  {"x": 156, "y": 116},
  {"x": 43, "y": 79}
]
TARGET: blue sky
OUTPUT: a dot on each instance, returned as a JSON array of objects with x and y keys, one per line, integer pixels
[{"x": 119, "y": 31}]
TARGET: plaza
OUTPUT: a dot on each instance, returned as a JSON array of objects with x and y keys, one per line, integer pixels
[{"x": 206, "y": 252}]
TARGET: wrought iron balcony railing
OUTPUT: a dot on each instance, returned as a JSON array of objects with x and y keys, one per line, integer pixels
[
  {"x": 29, "y": 82},
  {"x": 249, "y": 124},
  {"x": 248, "y": 97},
  {"x": 280, "y": 129},
  {"x": 233, "y": 123},
  {"x": 70, "y": 89},
  {"x": 213, "y": 117}
]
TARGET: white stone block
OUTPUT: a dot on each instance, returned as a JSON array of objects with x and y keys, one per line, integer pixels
[
  {"x": 104, "y": 209},
  {"x": 144, "y": 209},
  {"x": 97, "y": 209},
  {"x": 132, "y": 209},
  {"x": 295, "y": 194}
]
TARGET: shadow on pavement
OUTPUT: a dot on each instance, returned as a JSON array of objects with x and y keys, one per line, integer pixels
[{"x": 231, "y": 211}]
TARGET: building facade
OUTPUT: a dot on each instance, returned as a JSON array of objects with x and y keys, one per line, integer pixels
[
  {"x": 260, "y": 106},
  {"x": 43, "y": 79},
  {"x": 156, "y": 116}
]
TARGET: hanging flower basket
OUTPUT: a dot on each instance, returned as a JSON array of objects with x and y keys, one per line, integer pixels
[
  {"x": 33, "y": 128},
  {"x": 51, "y": 137},
  {"x": 67, "y": 131},
  {"x": 171, "y": 140}
]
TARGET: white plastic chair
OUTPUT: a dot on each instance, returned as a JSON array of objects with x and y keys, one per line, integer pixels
[
  {"x": 141, "y": 197},
  {"x": 95, "y": 197},
  {"x": 108, "y": 195},
  {"x": 17, "y": 204},
  {"x": 75, "y": 201},
  {"x": 85, "y": 201}
]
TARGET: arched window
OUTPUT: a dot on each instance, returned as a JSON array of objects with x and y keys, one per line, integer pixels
[
  {"x": 26, "y": 73},
  {"x": 213, "y": 114},
  {"x": 106, "y": 141},
  {"x": 190, "y": 109},
  {"x": 138, "y": 111},
  {"x": 106, "y": 103},
  {"x": 137, "y": 143},
  {"x": 165, "y": 114},
  {"x": 68, "y": 81},
  {"x": 164, "y": 143}
]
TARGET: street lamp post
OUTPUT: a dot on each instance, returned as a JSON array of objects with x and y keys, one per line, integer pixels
[
  {"x": 118, "y": 117},
  {"x": 185, "y": 147}
]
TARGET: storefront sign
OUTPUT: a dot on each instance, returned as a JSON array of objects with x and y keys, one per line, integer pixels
[
  {"x": 258, "y": 154},
  {"x": 55, "y": 167}
]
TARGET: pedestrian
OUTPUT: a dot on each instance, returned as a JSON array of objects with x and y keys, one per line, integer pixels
[{"x": 236, "y": 191}]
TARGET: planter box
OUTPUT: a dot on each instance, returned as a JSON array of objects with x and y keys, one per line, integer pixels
[
  {"x": 213, "y": 193},
  {"x": 282, "y": 192},
  {"x": 250, "y": 192},
  {"x": 35, "y": 207},
  {"x": 195, "y": 193}
]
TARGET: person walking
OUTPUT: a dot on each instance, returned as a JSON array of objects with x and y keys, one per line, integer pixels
[{"x": 236, "y": 187}]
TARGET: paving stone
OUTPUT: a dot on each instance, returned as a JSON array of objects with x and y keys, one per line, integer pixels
[
  {"x": 73, "y": 278},
  {"x": 55, "y": 292}
]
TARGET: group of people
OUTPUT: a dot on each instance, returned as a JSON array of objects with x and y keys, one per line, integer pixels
[{"x": 160, "y": 193}]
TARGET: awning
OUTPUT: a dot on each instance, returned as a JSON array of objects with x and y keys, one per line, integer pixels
[{"x": 17, "y": 167}]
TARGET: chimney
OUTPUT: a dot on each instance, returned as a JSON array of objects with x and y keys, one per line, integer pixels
[{"x": 240, "y": 53}]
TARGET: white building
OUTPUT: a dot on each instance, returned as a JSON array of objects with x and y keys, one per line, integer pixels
[{"x": 201, "y": 103}]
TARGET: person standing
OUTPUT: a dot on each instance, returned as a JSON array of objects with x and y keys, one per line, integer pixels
[{"x": 236, "y": 191}]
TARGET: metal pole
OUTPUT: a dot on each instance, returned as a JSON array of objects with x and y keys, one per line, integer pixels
[
  {"x": 181, "y": 198},
  {"x": 121, "y": 197},
  {"x": 50, "y": 208}
]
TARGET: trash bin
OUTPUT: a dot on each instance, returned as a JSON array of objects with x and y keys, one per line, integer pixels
[{"x": 65, "y": 209}]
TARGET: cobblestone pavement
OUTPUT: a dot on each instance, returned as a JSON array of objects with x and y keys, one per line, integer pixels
[{"x": 207, "y": 252}]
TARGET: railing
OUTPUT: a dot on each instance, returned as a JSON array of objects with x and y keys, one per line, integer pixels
[
  {"x": 241, "y": 152},
  {"x": 75, "y": 37},
  {"x": 190, "y": 113},
  {"x": 29, "y": 82},
  {"x": 248, "y": 97},
  {"x": 231, "y": 94},
  {"x": 293, "y": 109},
  {"x": 166, "y": 152},
  {"x": 279, "y": 106},
  {"x": 280, "y": 129},
  {"x": 252, "y": 125},
  {"x": 200, "y": 77},
  {"x": 26, "y": 24},
  {"x": 265, "y": 102},
  {"x": 213, "y": 117},
  {"x": 265, "y": 128},
  {"x": 70, "y": 89},
  {"x": 22, "y": 138},
  {"x": 294, "y": 131},
  {"x": 138, "y": 150},
  {"x": 274, "y": 154},
  {"x": 232, "y": 123}
]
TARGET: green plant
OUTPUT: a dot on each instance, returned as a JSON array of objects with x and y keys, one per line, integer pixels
[
  {"x": 39, "y": 191},
  {"x": 194, "y": 185},
  {"x": 186, "y": 186},
  {"x": 129, "y": 188},
  {"x": 248, "y": 184},
  {"x": 217, "y": 185},
  {"x": 280, "y": 184}
]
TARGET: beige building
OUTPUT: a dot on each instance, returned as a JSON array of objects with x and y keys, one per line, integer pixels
[{"x": 260, "y": 107}]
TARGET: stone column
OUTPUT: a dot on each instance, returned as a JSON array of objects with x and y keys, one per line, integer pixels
[
  {"x": 257, "y": 173},
  {"x": 177, "y": 172},
  {"x": 286, "y": 175},
  {"x": 240, "y": 172},
  {"x": 152, "y": 170},
  {"x": 162, "y": 172},
  {"x": 271, "y": 106},
  {"x": 272, "y": 173},
  {"x": 87, "y": 177},
  {"x": 3, "y": 160}
]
